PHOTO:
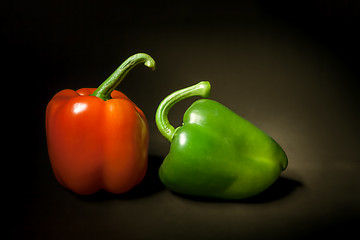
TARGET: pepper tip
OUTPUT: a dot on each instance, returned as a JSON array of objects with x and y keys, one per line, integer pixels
[
  {"x": 150, "y": 62},
  {"x": 206, "y": 87}
]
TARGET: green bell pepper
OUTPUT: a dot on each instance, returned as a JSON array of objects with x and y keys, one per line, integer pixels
[{"x": 216, "y": 153}]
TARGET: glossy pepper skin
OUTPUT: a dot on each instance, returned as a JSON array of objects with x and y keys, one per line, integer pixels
[
  {"x": 98, "y": 138},
  {"x": 216, "y": 153}
]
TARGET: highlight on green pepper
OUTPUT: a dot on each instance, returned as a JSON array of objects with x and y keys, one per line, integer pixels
[{"x": 216, "y": 153}]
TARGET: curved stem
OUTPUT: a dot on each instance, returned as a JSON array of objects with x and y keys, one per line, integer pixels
[
  {"x": 166, "y": 129},
  {"x": 111, "y": 83}
]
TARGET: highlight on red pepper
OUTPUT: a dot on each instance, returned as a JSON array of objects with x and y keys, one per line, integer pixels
[{"x": 98, "y": 138}]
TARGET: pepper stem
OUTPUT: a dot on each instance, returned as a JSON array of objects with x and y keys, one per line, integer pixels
[
  {"x": 201, "y": 89},
  {"x": 111, "y": 83}
]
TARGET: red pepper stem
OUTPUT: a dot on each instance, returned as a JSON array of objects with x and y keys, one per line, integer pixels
[
  {"x": 201, "y": 89},
  {"x": 112, "y": 82}
]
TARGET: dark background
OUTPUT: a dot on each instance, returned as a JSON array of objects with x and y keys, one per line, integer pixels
[{"x": 290, "y": 67}]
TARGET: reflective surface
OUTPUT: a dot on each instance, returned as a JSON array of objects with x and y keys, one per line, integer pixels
[{"x": 289, "y": 67}]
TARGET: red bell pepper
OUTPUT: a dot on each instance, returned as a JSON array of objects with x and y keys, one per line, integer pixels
[{"x": 98, "y": 138}]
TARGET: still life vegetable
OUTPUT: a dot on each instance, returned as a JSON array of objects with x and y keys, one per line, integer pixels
[{"x": 216, "y": 153}]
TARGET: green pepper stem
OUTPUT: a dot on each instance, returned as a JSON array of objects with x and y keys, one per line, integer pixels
[
  {"x": 111, "y": 83},
  {"x": 201, "y": 89}
]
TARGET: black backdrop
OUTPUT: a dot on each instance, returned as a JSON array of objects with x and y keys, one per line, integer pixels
[{"x": 290, "y": 67}]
